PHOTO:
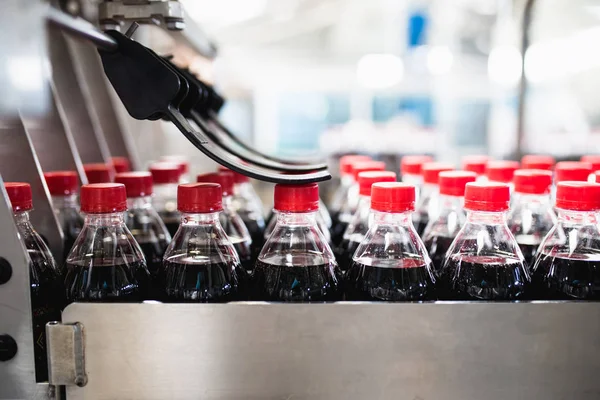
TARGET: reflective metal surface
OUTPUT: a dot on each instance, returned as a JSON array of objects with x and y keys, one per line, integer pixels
[
  {"x": 340, "y": 351},
  {"x": 66, "y": 362}
]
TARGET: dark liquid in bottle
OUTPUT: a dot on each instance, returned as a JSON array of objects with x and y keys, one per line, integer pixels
[
  {"x": 71, "y": 226},
  {"x": 421, "y": 223},
  {"x": 47, "y": 301},
  {"x": 191, "y": 281},
  {"x": 306, "y": 283},
  {"x": 566, "y": 277},
  {"x": 528, "y": 245},
  {"x": 345, "y": 251},
  {"x": 256, "y": 227},
  {"x": 172, "y": 219},
  {"x": 153, "y": 253},
  {"x": 337, "y": 230},
  {"x": 244, "y": 251},
  {"x": 437, "y": 246},
  {"x": 475, "y": 277},
  {"x": 106, "y": 281},
  {"x": 398, "y": 280}
]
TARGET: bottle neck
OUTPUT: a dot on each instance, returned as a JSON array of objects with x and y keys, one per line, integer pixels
[
  {"x": 106, "y": 219},
  {"x": 570, "y": 217},
  {"x": 448, "y": 202},
  {"x": 68, "y": 201},
  {"x": 191, "y": 219},
  {"x": 227, "y": 203},
  {"x": 387, "y": 218},
  {"x": 21, "y": 217},
  {"x": 347, "y": 180},
  {"x": 531, "y": 198},
  {"x": 139, "y": 202},
  {"x": 165, "y": 190},
  {"x": 486, "y": 218},
  {"x": 303, "y": 218}
]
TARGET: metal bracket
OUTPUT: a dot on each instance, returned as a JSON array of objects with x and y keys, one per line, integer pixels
[
  {"x": 169, "y": 14},
  {"x": 66, "y": 361}
]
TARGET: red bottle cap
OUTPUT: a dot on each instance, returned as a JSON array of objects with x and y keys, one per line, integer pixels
[
  {"x": 297, "y": 198},
  {"x": 593, "y": 159},
  {"x": 475, "y": 163},
  {"x": 180, "y": 161},
  {"x": 62, "y": 183},
  {"x": 578, "y": 196},
  {"x": 199, "y": 197},
  {"x": 165, "y": 172},
  {"x": 19, "y": 194},
  {"x": 572, "y": 171},
  {"x": 501, "y": 170},
  {"x": 364, "y": 166},
  {"x": 537, "y": 161},
  {"x": 533, "y": 181},
  {"x": 368, "y": 178},
  {"x": 137, "y": 183},
  {"x": 487, "y": 196},
  {"x": 237, "y": 177},
  {"x": 120, "y": 164},
  {"x": 392, "y": 197},
  {"x": 347, "y": 161},
  {"x": 223, "y": 178},
  {"x": 412, "y": 164},
  {"x": 453, "y": 183},
  {"x": 431, "y": 171},
  {"x": 98, "y": 173},
  {"x": 99, "y": 198}
]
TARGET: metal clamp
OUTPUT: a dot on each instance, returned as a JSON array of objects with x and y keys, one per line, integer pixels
[
  {"x": 66, "y": 361},
  {"x": 167, "y": 13}
]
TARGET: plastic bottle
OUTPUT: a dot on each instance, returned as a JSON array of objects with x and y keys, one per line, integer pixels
[
  {"x": 120, "y": 164},
  {"x": 166, "y": 177},
  {"x": 484, "y": 262},
  {"x": 296, "y": 264},
  {"x": 98, "y": 173},
  {"x": 249, "y": 207},
  {"x": 410, "y": 169},
  {"x": 231, "y": 222},
  {"x": 502, "y": 171},
  {"x": 45, "y": 278},
  {"x": 340, "y": 195},
  {"x": 567, "y": 265},
  {"x": 391, "y": 262},
  {"x": 146, "y": 226},
  {"x": 531, "y": 216},
  {"x": 105, "y": 264},
  {"x": 360, "y": 222},
  {"x": 441, "y": 231},
  {"x": 349, "y": 206},
  {"x": 476, "y": 164},
  {"x": 321, "y": 224},
  {"x": 63, "y": 186},
  {"x": 201, "y": 264},
  {"x": 428, "y": 204},
  {"x": 182, "y": 162},
  {"x": 538, "y": 161}
]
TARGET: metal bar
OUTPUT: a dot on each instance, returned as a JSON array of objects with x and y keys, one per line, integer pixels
[
  {"x": 451, "y": 351},
  {"x": 522, "y": 96},
  {"x": 80, "y": 28}
]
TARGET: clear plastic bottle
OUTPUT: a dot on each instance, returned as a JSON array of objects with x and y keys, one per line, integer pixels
[
  {"x": 360, "y": 222},
  {"x": 296, "y": 264},
  {"x": 391, "y": 262},
  {"x": 105, "y": 264},
  {"x": 45, "y": 278},
  {"x": 428, "y": 204},
  {"x": 249, "y": 207},
  {"x": 484, "y": 262},
  {"x": 531, "y": 216},
  {"x": 567, "y": 265},
  {"x": 340, "y": 195},
  {"x": 349, "y": 206},
  {"x": 145, "y": 225},
  {"x": 231, "y": 222},
  {"x": 502, "y": 171},
  {"x": 166, "y": 178},
  {"x": 120, "y": 164},
  {"x": 98, "y": 173},
  {"x": 182, "y": 162},
  {"x": 441, "y": 231},
  {"x": 410, "y": 169},
  {"x": 63, "y": 186},
  {"x": 538, "y": 161},
  {"x": 201, "y": 263},
  {"x": 477, "y": 164}
]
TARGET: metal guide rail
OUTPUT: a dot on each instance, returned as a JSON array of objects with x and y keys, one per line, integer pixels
[{"x": 543, "y": 350}]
